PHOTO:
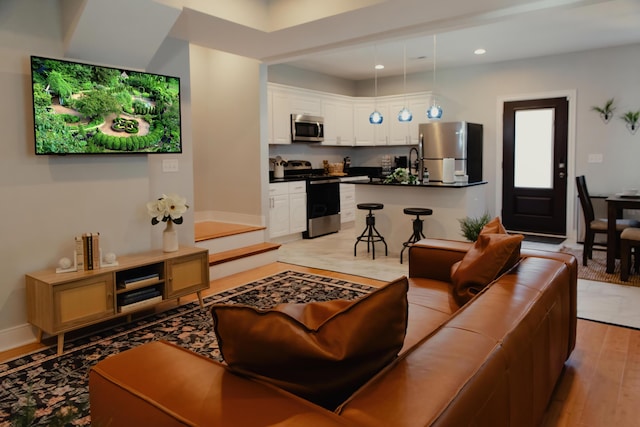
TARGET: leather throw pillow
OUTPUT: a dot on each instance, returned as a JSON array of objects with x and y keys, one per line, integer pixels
[
  {"x": 495, "y": 227},
  {"x": 320, "y": 351},
  {"x": 484, "y": 261}
]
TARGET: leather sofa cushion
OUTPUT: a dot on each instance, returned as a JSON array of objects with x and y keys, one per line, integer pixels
[
  {"x": 487, "y": 258},
  {"x": 321, "y": 351}
]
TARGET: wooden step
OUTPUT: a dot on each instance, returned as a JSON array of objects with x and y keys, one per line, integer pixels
[
  {"x": 206, "y": 230},
  {"x": 247, "y": 251}
]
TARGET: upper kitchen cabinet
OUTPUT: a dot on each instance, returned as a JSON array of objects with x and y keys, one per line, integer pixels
[
  {"x": 406, "y": 133},
  {"x": 284, "y": 101},
  {"x": 279, "y": 116},
  {"x": 338, "y": 121},
  {"x": 365, "y": 132}
]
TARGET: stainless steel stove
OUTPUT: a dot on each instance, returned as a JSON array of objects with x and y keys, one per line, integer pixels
[{"x": 323, "y": 198}]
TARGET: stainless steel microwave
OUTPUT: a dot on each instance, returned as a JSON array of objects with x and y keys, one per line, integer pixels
[{"x": 306, "y": 128}]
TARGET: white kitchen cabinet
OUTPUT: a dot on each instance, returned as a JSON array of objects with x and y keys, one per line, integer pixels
[
  {"x": 297, "y": 206},
  {"x": 365, "y": 132},
  {"x": 347, "y": 203},
  {"x": 278, "y": 209},
  {"x": 407, "y": 133},
  {"x": 305, "y": 103},
  {"x": 338, "y": 122},
  {"x": 287, "y": 208},
  {"x": 279, "y": 117}
]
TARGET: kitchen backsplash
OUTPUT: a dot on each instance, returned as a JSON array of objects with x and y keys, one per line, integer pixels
[{"x": 315, "y": 153}]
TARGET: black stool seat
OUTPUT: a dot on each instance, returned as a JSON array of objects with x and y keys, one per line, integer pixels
[
  {"x": 370, "y": 206},
  {"x": 417, "y": 226},
  {"x": 370, "y": 234},
  {"x": 418, "y": 211}
]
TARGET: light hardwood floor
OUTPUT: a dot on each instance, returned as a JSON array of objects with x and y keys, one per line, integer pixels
[{"x": 599, "y": 388}]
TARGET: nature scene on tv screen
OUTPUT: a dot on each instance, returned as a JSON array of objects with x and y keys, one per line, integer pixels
[{"x": 88, "y": 109}]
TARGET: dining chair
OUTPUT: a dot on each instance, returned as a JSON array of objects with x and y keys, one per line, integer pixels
[
  {"x": 594, "y": 225},
  {"x": 629, "y": 245}
]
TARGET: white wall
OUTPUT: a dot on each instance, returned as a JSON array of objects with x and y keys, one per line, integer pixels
[
  {"x": 47, "y": 200},
  {"x": 226, "y": 134}
]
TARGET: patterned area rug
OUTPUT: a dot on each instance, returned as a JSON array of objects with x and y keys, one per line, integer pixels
[
  {"x": 596, "y": 269},
  {"x": 55, "y": 385}
]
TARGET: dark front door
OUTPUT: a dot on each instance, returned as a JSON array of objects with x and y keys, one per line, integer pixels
[{"x": 534, "y": 174}]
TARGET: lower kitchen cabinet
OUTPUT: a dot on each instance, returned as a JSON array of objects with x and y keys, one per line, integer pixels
[
  {"x": 62, "y": 302},
  {"x": 347, "y": 203},
  {"x": 287, "y": 208}
]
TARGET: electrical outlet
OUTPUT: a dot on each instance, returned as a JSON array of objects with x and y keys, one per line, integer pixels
[{"x": 170, "y": 165}]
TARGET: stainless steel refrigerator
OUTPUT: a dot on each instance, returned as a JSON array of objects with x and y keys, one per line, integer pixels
[{"x": 461, "y": 141}]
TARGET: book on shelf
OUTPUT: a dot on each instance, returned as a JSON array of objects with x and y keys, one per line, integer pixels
[
  {"x": 140, "y": 304},
  {"x": 91, "y": 250},
  {"x": 133, "y": 281},
  {"x": 95, "y": 248},
  {"x": 140, "y": 295},
  {"x": 79, "y": 252}
]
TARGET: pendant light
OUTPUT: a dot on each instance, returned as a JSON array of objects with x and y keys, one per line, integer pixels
[
  {"x": 375, "y": 118},
  {"x": 405, "y": 115},
  {"x": 435, "y": 111}
]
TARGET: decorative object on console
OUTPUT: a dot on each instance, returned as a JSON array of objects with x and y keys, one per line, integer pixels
[
  {"x": 321, "y": 351},
  {"x": 169, "y": 209},
  {"x": 631, "y": 119},
  {"x": 606, "y": 111}
]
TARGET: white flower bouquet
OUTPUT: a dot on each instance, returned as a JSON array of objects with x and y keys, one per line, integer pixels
[{"x": 167, "y": 208}]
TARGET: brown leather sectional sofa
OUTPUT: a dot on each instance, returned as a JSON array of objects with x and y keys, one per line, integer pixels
[{"x": 493, "y": 362}]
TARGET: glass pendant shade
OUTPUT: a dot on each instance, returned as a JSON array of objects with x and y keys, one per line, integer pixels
[
  {"x": 405, "y": 115},
  {"x": 434, "y": 112},
  {"x": 375, "y": 118}
]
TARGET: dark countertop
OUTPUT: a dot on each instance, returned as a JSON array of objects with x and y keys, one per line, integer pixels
[{"x": 431, "y": 184}]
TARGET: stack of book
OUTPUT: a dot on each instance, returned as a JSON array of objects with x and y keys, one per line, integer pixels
[{"x": 88, "y": 251}]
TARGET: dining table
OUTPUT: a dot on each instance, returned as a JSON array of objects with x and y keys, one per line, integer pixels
[{"x": 616, "y": 205}]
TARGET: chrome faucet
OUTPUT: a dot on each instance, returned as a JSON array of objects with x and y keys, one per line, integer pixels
[{"x": 419, "y": 162}]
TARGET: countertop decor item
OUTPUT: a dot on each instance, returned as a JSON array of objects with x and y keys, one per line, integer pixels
[
  {"x": 402, "y": 176},
  {"x": 169, "y": 209},
  {"x": 606, "y": 111}
]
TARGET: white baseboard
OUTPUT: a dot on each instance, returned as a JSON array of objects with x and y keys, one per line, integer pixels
[{"x": 17, "y": 336}]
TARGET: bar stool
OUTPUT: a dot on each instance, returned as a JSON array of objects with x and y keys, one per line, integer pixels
[
  {"x": 417, "y": 226},
  {"x": 370, "y": 234}
]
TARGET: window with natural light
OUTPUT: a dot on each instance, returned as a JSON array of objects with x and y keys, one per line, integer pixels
[{"x": 534, "y": 148}]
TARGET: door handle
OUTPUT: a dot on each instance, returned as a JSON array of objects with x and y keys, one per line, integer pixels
[{"x": 561, "y": 175}]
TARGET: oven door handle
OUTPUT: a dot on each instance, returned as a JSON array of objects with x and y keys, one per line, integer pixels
[{"x": 324, "y": 181}]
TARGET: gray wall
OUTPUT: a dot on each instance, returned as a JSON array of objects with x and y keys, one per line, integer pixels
[{"x": 48, "y": 200}]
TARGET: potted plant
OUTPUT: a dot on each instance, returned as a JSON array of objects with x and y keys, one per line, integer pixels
[
  {"x": 631, "y": 120},
  {"x": 606, "y": 112},
  {"x": 471, "y": 227}
]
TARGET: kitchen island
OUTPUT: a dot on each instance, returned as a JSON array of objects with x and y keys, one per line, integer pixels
[{"x": 450, "y": 202}]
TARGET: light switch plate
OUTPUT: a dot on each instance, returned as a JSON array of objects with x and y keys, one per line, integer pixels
[
  {"x": 595, "y": 158},
  {"x": 170, "y": 165}
]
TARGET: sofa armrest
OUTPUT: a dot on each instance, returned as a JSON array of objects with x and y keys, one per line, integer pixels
[{"x": 433, "y": 258}]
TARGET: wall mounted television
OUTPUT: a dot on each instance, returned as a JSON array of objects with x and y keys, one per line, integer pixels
[{"x": 89, "y": 109}]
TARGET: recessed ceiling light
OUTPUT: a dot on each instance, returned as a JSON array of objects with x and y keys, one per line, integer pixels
[
  {"x": 379, "y": 67},
  {"x": 480, "y": 51}
]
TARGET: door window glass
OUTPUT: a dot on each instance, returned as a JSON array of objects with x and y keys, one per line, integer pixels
[{"x": 533, "y": 153}]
